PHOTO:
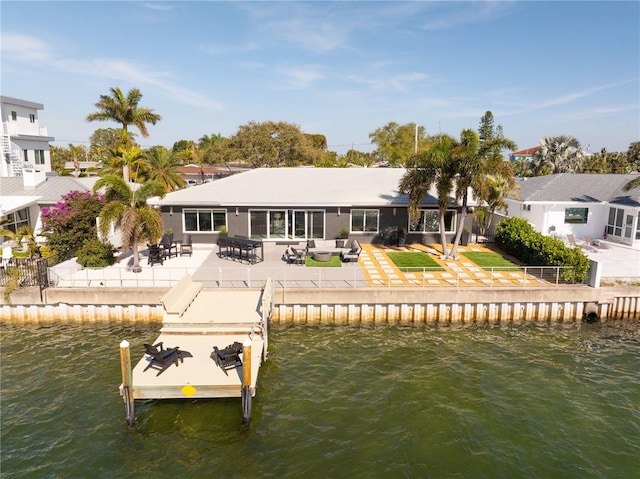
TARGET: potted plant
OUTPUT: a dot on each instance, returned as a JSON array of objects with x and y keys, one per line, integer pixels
[
  {"x": 464, "y": 238},
  {"x": 344, "y": 233},
  {"x": 402, "y": 236}
]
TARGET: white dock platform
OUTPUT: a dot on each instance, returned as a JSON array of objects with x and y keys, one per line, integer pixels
[{"x": 195, "y": 321}]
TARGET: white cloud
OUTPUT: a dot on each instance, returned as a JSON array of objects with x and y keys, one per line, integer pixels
[
  {"x": 301, "y": 77},
  {"x": 466, "y": 13},
  {"x": 24, "y": 48}
]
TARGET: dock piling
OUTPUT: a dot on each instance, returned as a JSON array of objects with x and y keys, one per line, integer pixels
[
  {"x": 246, "y": 382},
  {"x": 127, "y": 383}
]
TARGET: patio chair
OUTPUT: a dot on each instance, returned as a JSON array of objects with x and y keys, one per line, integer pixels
[
  {"x": 572, "y": 241},
  {"x": 289, "y": 256},
  {"x": 155, "y": 254},
  {"x": 352, "y": 254},
  {"x": 160, "y": 358},
  {"x": 596, "y": 244},
  {"x": 169, "y": 248},
  {"x": 228, "y": 357},
  {"x": 300, "y": 256},
  {"x": 185, "y": 246}
]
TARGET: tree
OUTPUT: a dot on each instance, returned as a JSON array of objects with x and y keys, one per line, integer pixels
[
  {"x": 128, "y": 211},
  {"x": 77, "y": 152},
  {"x": 497, "y": 189},
  {"x": 124, "y": 110},
  {"x": 558, "y": 154},
  {"x": 397, "y": 143},
  {"x": 24, "y": 235},
  {"x": 164, "y": 168},
  {"x": 633, "y": 156},
  {"x": 71, "y": 222},
  {"x": 433, "y": 167},
  {"x": 272, "y": 144}
]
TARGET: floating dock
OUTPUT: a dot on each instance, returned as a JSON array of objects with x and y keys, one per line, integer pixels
[{"x": 195, "y": 321}]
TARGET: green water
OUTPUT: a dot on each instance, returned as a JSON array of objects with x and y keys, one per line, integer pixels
[{"x": 521, "y": 402}]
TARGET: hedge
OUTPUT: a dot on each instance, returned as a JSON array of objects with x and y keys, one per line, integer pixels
[{"x": 516, "y": 237}]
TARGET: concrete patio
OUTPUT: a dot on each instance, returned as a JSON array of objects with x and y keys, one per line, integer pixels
[{"x": 373, "y": 269}]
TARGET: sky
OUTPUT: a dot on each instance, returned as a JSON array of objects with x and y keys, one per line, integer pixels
[{"x": 341, "y": 69}]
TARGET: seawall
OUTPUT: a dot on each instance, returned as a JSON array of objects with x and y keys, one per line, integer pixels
[{"x": 371, "y": 306}]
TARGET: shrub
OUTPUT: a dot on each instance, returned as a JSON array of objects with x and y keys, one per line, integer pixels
[
  {"x": 96, "y": 254},
  {"x": 517, "y": 237}
]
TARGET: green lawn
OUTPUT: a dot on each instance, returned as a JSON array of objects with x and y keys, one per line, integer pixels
[
  {"x": 334, "y": 263},
  {"x": 489, "y": 260},
  {"x": 412, "y": 261}
]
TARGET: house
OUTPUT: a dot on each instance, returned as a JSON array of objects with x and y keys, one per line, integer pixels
[
  {"x": 195, "y": 174},
  {"x": 523, "y": 155},
  {"x": 295, "y": 204},
  {"x": 22, "y": 198},
  {"x": 24, "y": 142},
  {"x": 580, "y": 204}
]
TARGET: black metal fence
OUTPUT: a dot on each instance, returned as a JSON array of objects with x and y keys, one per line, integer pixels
[{"x": 25, "y": 272}]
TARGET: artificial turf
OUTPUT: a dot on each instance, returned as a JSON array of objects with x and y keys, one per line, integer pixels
[
  {"x": 333, "y": 263},
  {"x": 489, "y": 260},
  {"x": 412, "y": 261}
]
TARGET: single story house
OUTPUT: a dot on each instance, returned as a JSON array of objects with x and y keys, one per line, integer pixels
[
  {"x": 296, "y": 204},
  {"x": 523, "y": 155},
  {"x": 23, "y": 197},
  {"x": 580, "y": 204}
]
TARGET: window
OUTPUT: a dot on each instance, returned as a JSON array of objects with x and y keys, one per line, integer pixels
[
  {"x": 16, "y": 220},
  {"x": 14, "y": 116},
  {"x": 614, "y": 223},
  {"x": 429, "y": 222},
  {"x": 26, "y": 155},
  {"x": 204, "y": 221},
  {"x": 638, "y": 228},
  {"x": 576, "y": 215},
  {"x": 39, "y": 157},
  {"x": 32, "y": 118},
  {"x": 364, "y": 221},
  {"x": 306, "y": 224},
  {"x": 628, "y": 226}
]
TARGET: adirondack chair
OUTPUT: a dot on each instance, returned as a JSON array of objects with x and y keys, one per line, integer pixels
[
  {"x": 155, "y": 255},
  {"x": 228, "y": 357},
  {"x": 185, "y": 246},
  {"x": 160, "y": 358}
]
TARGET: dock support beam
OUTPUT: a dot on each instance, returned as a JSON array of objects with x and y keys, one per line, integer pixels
[
  {"x": 246, "y": 382},
  {"x": 126, "y": 389}
]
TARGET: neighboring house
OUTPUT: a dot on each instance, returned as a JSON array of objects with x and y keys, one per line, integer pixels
[
  {"x": 580, "y": 204},
  {"x": 22, "y": 198},
  {"x": 523, "y": 155},
  {"x": 24, "y": 142},
  {"x": 278, "y": 204},
  {"x": 196, "y": 175}
]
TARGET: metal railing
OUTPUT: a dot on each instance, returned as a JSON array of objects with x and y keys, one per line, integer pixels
[{"x": 308, "y": 277}]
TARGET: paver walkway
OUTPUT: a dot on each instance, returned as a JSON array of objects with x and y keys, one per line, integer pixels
[{"x": 380, "y": 270}]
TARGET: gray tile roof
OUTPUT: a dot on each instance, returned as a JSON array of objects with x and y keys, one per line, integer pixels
[
  {"x": 48, "y": 192},
  {"x": 303, "y": 186},
  {"x": 583, "y": 188}
]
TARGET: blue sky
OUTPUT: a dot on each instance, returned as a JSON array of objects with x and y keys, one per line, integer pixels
[{"x": 341, "y": 69}]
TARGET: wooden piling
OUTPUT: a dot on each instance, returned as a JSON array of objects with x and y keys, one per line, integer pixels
[
  {"x": 246, "y": 382},
  {"x": 127, "y": 383}
]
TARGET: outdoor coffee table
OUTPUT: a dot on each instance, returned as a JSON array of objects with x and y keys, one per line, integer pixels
[{"x": 322, "y": 256}]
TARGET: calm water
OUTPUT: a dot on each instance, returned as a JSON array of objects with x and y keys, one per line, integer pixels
[{"x": 357, "y": 403}]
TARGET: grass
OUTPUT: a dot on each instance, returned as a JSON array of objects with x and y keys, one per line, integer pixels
[
  {"x": 411, "y": 261},
  {"x": 334, "y": 263},
  {"x": 489, "y": 260}
]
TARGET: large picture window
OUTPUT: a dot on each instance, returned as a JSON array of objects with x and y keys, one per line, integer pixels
[
  {"x": 364, "y": 221},
  {"x": 429, "y": 222},
  {"x": 576, "y": 215},
  {"x": 204, "y": 221}
]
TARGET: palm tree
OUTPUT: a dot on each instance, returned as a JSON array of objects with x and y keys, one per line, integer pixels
[
  {"x": 164, "y": 168},
  {"x": 474, "y": 160},
  {"x": 635, "y": 183},
  {"x": 76, "y": 152},
  {"x": 497, "y": 189},
  {"x": 124, "y": 110},
  {"x": 558, "y": 154},
  {"x": 24, "y": 234},
  {"x": 432, "y": 168},
  {"x": 127, "y": 209}
]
